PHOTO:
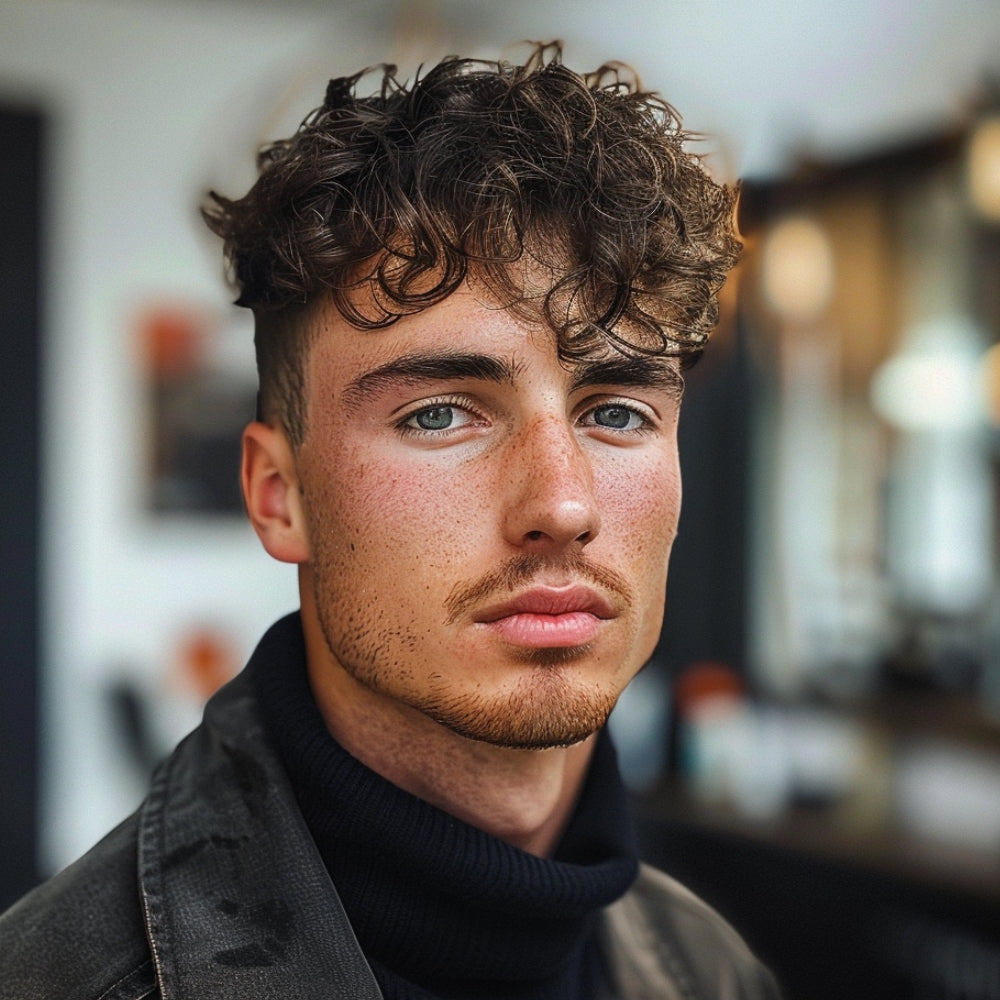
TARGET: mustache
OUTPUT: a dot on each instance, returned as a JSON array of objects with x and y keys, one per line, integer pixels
[{"x": 518, "y": 570}]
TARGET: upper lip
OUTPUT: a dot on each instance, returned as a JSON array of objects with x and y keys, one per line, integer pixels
[{"x": 550, "y": 601}]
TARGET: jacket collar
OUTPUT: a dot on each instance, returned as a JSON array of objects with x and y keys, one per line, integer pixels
[{"x": 237, "y": 902}]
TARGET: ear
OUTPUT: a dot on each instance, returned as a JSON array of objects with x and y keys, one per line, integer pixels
[{"x": 271, "y": 493}]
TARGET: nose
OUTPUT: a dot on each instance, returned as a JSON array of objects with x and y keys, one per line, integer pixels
[{"x": 551, "y": 503}]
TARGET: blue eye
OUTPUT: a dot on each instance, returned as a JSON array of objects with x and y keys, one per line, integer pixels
[
  {"x": 617, "y": 417},
  {"x": 439, "y": 420},
  {"x": 433, "y": 418}
]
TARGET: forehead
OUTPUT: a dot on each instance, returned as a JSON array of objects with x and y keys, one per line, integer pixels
[
  {"x": 529, "y": 298},
  {"x": 462, "y": 318},
  {"x": 467, "y": 325}
]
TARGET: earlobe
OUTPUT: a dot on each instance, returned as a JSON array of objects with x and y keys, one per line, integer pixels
[{"x": 271, "y": 493}]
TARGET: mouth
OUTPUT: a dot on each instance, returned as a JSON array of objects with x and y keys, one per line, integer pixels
[{"x": 549, "y": 617}]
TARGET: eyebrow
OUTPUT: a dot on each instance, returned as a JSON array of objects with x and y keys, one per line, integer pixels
[
  {"x": 630, "y": 372},
  {"x": 431, "y": 367}
]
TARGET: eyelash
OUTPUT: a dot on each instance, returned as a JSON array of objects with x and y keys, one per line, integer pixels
[
  {"x": 647, "y": 423},
  {"x": 443, "y": 403}
]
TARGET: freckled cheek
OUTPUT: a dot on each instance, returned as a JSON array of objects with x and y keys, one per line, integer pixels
[
  {"x": 412, "y": 518},
  {"x": 639, "y": 524},
  {"x": 640, "y": 510}
]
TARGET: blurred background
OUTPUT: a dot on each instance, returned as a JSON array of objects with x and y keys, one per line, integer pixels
[{"x": 816, "y": 744}]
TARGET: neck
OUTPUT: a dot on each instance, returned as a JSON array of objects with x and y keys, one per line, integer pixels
[{"x": 524, "y": 797}]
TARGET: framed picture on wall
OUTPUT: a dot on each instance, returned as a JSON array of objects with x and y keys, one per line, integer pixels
[{"x": 201, "y": 391}]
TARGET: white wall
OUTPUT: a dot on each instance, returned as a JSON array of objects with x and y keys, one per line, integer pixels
[
  {"x": 773, "y": 76},
  {"x": 153, "y": 101},
  {"x": 144, "y": 99}
]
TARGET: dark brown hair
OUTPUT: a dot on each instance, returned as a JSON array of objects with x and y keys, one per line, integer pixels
[{"x": 480, "y": 168}]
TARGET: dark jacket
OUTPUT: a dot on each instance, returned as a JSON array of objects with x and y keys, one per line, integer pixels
[{"x": 215, "y": 889}]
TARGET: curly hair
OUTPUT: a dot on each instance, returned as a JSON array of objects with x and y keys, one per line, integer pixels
[{"x": 478, "y": 169}]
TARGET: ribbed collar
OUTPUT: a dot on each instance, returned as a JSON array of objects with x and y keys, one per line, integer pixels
[{"x": 441, "y": 908}]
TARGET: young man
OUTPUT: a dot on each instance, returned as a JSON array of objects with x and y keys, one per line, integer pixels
[{"x": 473, "y": 300}]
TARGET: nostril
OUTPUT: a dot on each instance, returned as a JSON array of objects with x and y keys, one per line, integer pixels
[
  {"x": 534, "y": 535},
  {"x": 585, "y": 537}
]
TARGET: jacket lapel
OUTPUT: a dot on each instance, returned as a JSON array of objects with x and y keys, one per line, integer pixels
[{"x": 237, "y": 901}]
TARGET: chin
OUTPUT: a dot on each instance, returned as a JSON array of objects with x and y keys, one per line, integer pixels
[{"x": 528, "y": 720}]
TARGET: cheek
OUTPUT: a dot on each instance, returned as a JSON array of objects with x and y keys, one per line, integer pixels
[
  {"x": 640, "y": 524},
  {"x": 392, "y": 518},
  {"x": 640, "y": 508}
]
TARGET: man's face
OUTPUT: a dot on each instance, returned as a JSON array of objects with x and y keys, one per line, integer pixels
[{"x": 488, "y": 528}]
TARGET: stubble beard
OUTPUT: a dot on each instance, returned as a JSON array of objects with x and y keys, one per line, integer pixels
[
  {"x": 551, "y": 706},
  {"x": 546, "y": 710}
]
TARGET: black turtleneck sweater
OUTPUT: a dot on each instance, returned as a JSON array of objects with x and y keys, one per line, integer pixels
[{"x": 440, "y": 908}]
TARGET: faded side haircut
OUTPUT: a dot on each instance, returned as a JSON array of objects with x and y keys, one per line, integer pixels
[{"x": 384, "y": 204}]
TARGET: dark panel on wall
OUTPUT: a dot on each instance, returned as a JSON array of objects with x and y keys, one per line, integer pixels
[
  {"x": 832, "y": 930},
  {"x": 705, "y": 615},
  {"x": 21, "y": 152}
]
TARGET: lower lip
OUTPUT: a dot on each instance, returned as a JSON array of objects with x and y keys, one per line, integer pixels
[{"x": 575, "y": 628}]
